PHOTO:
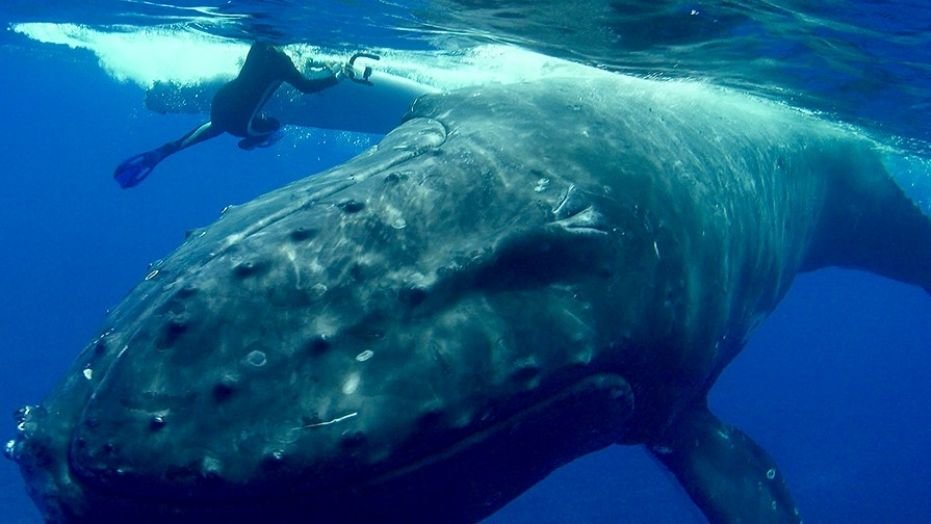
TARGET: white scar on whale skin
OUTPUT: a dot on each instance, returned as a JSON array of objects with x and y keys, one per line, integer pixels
[{"x": 329, "y": 422}]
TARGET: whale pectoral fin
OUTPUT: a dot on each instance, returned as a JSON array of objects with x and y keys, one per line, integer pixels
[{"x": 724, "y": 472}]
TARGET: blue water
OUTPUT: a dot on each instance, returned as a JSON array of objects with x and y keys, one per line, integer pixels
[{"x": 833, "y": 385}]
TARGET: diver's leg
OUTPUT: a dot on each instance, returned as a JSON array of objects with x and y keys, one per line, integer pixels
[
  {"x": 203, "y": 132},
  {"x": 134, "y": 170}
]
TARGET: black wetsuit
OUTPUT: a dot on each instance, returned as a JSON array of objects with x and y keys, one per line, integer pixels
[
  {"x": 235, "y": 110},
  {"x": 236, "y": 105}
]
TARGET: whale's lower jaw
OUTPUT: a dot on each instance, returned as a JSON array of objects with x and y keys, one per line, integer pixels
[{"x": 492, "y": 465}]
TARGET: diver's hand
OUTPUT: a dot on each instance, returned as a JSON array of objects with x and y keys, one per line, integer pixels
[
  {"x": 353, "y": 72},
  {"x": 341, "y": 70}
]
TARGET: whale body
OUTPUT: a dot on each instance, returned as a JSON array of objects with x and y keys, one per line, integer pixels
[{"x": 517, "y": 275}]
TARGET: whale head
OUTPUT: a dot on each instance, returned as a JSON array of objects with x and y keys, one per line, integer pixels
[{"x": 425, "y": 320}]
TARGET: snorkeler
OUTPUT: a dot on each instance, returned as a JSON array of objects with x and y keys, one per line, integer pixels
[{"x": 236, "y": 108}]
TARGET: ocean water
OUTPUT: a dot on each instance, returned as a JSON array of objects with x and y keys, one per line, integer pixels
[{"x": 834, "y": 384}]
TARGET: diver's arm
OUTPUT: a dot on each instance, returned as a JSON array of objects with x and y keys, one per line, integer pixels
[
  {"x": 311, "y": 84},
  {"x": 306, "y": 84}
]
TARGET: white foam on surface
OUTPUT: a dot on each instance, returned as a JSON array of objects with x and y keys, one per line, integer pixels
[{"x": 144, "y": 55}]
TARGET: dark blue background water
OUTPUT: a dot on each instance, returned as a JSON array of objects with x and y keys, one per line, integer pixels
[{"x": 834, "y": 385}]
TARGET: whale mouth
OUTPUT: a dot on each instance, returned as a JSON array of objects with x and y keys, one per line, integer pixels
[
  {"x": 610, "y": 390},
  {"x": 582, "y": 417}
]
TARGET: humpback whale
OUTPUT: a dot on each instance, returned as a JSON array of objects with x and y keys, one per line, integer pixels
[{"x": 517, "y": 275}]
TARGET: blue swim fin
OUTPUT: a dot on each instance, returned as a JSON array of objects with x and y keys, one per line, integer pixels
[{"x": 134, "y": 170}]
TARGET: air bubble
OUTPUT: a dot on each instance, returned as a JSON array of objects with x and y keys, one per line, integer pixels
[
  {"x": 319, "y": 290},
  {"x": 365, "y": 355},
  {"x": 88, "y": 373},
  {"x": 256, "y": 358},
  {"x": 399, "y": 223},
  {"x": 152, "y": 274},
  {"x": 770, "y": 474}
]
